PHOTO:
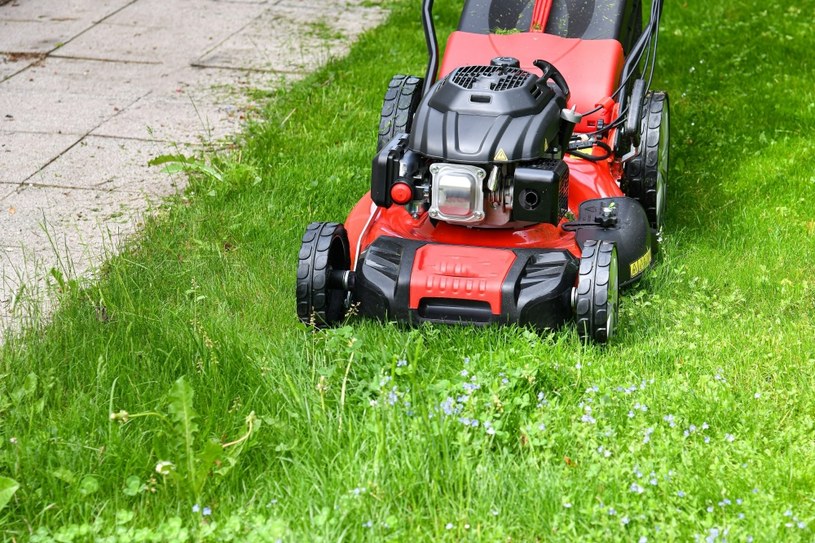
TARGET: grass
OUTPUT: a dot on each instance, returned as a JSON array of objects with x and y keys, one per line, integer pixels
[{"x": 697, "y": 422}]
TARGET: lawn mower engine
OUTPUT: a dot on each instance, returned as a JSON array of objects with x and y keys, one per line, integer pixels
[{"x": 486, "y": 150}]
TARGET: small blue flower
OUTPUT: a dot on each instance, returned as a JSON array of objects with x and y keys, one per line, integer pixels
[
  {"x": 196, "y": 508},
  {"x": 368, "y": 524},
  {"x": 206, "y": 511},
  {"x": 393, "y": 397},
  {"x": 448, "y": 406},
  {"x": 401, "y": 363}
]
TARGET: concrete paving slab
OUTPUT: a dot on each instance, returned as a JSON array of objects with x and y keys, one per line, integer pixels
[
  {"x": 188, "y": 117},
  {"x": 82, "y": 77},
  {"x": 22, "y": 154},
  {"x": 56, "y": 11},
  {"x": 226, "y": 84},
  {"x": 211, "y": 18},
  {"x": 147, "y": 32},
  {"x": 110, "y": 164},
  {"x": 58, "y": 113},
  {"x": 321, "y": 32},
  {"x": 36, "y": 36},
  {"x": 30, "y": 214}
]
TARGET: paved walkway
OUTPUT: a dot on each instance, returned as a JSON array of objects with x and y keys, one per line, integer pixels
[{"x": 90, "y": 90}]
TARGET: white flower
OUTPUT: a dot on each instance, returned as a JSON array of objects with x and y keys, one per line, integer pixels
[{"x": 165, "y": 467}]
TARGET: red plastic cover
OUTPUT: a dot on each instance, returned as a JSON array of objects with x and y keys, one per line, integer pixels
[{"x": 460, "y": 273}]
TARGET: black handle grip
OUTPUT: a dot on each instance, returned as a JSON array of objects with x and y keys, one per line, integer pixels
[{"x": 550, "y": 72}]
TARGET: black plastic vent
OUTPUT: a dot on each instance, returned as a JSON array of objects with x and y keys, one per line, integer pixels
[
  {"x": 494, "y": 78},
  {"x": 386, "y": 258}
]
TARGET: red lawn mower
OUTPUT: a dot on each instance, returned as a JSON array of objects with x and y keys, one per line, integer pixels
[{"x": 526, "y": 185}]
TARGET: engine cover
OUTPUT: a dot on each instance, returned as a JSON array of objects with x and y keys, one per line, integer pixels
[{"x": 487, "y": 114}]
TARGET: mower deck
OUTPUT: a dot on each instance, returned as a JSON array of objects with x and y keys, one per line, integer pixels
[{"x": 415, "y": 281}]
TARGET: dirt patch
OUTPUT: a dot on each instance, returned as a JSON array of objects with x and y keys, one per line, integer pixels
[{"x": 15, "y": 56}]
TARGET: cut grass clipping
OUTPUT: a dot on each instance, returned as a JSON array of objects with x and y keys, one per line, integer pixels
[{"x": 179, "y": 399}]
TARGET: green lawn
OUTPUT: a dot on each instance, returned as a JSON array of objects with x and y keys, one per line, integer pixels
[{"x": 699, "y": 420}]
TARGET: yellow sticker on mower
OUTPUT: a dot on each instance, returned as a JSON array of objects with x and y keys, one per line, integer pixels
[
  {"x": 640, "y": 265},
  {"x": 500, "y": 156}
]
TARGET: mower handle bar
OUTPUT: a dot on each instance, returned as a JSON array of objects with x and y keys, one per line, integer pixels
[
  {"x": 635, "y": 55},
  {"x": 432, "y": 46}
]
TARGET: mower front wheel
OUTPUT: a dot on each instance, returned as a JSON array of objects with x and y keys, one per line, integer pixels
[
  {"x": 400, "y": 104},
  {"x": 597, "y": 295},
  {"x": 323, "y": 274}
]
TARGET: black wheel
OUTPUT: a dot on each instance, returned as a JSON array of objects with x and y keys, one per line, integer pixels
[
  {"x": 597, "y": 297},
  {"x": 322, "y": 274},
  {"x": 646, "y": 176},
  {"x": 400, "y": 103}
]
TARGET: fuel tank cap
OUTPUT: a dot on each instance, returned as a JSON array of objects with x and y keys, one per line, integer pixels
[{"x": 506, "y": 62}]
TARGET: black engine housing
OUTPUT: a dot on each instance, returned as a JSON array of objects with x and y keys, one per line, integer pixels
[{"x": 487, "y": 114}]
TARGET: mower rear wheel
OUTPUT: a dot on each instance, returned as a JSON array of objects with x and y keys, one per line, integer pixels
[
  {"x": 322, "y": 274},
  {"x": 597, "y": 297},
  {"x": 646, "y": 176},
  {"x": 400, "y": 104}
]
